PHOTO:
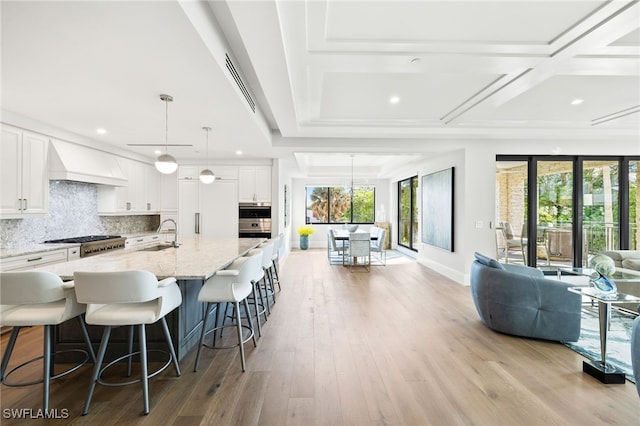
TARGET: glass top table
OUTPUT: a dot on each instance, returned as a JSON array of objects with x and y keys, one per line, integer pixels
[
  {"x": 600, "y": 369},
  {"x": 618, "y": 276}
]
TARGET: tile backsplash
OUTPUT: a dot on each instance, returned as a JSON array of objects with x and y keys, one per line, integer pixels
[{"x": 73, "y": 212}]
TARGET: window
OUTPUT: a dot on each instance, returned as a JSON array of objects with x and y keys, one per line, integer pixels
[
  {"x": 408, "y": 213},
  {"x": 339, "y": 204}
]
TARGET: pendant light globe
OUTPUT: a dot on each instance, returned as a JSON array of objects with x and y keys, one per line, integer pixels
[
  {"x": 165, "y": 163},
  {"x": 207, "y": 176}
]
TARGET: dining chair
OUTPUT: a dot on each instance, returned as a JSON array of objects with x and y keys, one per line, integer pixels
[
  {"x": 377, "y": 244},
  {"x": 359, "y": 246},
  {"x": 337, "y": 246}
]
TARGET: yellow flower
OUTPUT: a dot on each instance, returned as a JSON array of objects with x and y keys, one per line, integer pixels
[{"x": 305, "y": 230}]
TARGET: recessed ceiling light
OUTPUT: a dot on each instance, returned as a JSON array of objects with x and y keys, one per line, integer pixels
[
  {"x": 577, "y": 101},
  {"x": 101, "y": 131},
  {"x": 238, "y": 152},
  {"x": 157, "y": 152},
  {"x": 394, "y": 99}
]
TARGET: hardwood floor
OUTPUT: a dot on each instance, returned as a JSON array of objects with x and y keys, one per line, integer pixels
[{"x": 400, "y": 345}]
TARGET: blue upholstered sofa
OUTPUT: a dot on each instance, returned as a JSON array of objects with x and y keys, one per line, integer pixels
[{"x": 519, "y": 300}]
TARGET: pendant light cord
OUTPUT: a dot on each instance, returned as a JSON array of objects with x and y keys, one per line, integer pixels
[{"x": 166, "y": 125}]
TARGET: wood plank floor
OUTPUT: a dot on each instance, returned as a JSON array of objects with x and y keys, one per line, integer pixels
[{"x": 400, "y": 345}]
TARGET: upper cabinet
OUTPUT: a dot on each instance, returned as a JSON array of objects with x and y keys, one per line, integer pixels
[
  {"x": 254, "y": 184},
  {"x": 25, "y": 184},
  {"x": 138, "y": 196},
  {"x": 192, "y": 172}
]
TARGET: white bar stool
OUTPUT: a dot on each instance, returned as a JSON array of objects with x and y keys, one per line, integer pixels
[
  {"x": 127, "y": 298},
  {"x": 32, "y": 298},
  {"x": 230, "y": 286},
  {"x": 267, "y": 254},
  {"x": 278, "y": 244},
  {"x": 260, "y": 306}
]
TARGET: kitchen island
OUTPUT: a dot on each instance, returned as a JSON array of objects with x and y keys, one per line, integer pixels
[{"x": 191, "y": 264}]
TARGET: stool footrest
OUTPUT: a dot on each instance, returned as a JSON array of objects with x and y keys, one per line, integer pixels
[
  {"x": 53, "y": 377},
  {"x": 244, "y": 339},
  {"x": 112, "y": 363}
]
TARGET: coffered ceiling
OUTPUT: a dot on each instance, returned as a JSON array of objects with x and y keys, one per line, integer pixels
[{"x": 386, "y": 81}]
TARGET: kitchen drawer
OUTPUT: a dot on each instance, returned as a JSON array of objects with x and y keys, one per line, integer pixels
[
  {"x": 33, "y": 260},
  {"x": 139, "y": 241},
  {"x": 73, "y": 253}
]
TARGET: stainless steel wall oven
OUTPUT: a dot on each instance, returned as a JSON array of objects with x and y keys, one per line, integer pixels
[{"x": 254, "y": 220}]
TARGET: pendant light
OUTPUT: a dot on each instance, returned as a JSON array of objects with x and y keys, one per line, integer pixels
[
  {"x": 207, "y": 176},
  {"x": 165, "y": 163}
]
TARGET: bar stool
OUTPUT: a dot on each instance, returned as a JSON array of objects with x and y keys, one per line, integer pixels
[
  {"x": 230, "y": 286},
  {"x": 33, "y": 298},
  {"x": 267, "y": 254},
  {"x": 127, "y": 298},
  {"x": 260, "y": 306},
  {"x": 278, "y": 244}
]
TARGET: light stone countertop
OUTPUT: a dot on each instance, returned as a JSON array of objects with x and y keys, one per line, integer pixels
[{"x": 196, "y": 258}]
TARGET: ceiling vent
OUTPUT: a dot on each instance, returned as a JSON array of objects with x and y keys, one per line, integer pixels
[{"x": 241, "y": 86}]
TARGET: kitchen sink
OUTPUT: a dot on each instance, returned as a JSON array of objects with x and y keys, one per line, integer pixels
[{"x": 157, "y": 247}]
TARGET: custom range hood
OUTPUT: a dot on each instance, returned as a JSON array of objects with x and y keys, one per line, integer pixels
[{"x": 69, "y": 161}]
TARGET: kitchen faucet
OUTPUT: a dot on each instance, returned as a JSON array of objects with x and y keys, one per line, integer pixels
[{"x": 175, "y": 241}]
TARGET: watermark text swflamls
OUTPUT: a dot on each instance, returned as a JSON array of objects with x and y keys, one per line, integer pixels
[{"x": 30, "y": 413}]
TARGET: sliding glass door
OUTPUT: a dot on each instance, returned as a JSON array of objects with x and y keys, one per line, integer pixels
[
  {"x": 511, "y": 210},
  {"x": 561, "y": 211},
  {"x": 408, "y": 213},
  {"x": 600, "y": 208},
  {"x": 554, "y": 214}
]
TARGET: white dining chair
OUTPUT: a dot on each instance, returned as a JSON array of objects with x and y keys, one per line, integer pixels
[
  {"x": 377, "y": 245},
  {"x": 340, "y": 247},
  {"x": 359, "y": 247}
]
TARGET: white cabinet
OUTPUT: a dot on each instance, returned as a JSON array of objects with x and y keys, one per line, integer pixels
[
  {"x": 138, "y": 196},
  {"x": 208, "y": 210},
  {"x": 192, "y": 172},
  {"x": 36, "y": 259},
  {"x": 25, "y": 184},
  {"x": 143, "y": 240},
  {"x": 254, "y": 184},
  {"x": 168, "y": 193}
]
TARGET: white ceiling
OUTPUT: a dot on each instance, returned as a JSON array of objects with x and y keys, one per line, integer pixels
[{"x": 322, "y": 73}]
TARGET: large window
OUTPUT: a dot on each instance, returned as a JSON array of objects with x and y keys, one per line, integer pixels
[{"x": 339, "y": 204}]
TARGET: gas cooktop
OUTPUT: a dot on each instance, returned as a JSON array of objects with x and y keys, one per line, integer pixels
[{"x": 82, "y": 240}]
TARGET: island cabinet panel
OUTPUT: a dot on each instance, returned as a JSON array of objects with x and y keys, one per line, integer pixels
[
  {"x": 190, "y": 320},
  {"x": 185, "y": 325}
]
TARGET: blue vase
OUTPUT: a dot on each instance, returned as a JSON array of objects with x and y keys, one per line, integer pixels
[
  {"x": 304, "y": 242},
  {"x": 604, "y": 284}
]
